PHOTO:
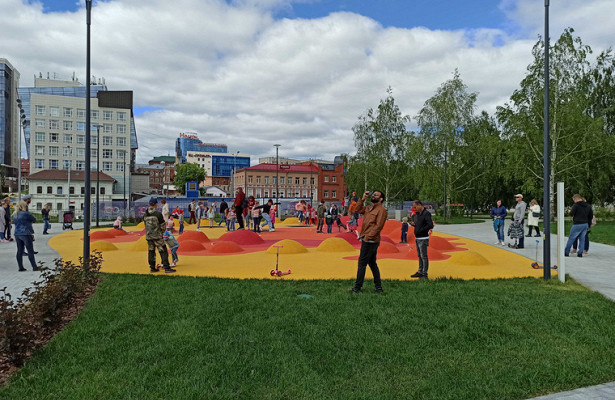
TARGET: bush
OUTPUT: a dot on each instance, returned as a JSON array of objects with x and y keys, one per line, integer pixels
[
  {"x": 604, "y": 213},
  {"x": 24, "y": 322}
]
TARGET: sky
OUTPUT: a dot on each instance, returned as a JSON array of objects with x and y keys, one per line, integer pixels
[{"x": 252, "y": 73}]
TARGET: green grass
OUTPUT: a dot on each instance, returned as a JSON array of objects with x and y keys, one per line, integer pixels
[
  {"x": 602, "y": 232},
  {"x": 457, "y": 220},
  {"x": 160, "y": 337}
]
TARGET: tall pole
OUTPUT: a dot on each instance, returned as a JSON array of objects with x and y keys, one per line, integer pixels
[
  {"x": 546, "y": 250},
  {"x": 97, "y": 174},
  {"x": 124, "y": 184},
  {"x": 69, "y": 165},
  {"x": 445, "y": 162},
  {"x": 88, "y": 143},
  {"x": 277, "y": 179},
  {"x": 311, "y": 192}
]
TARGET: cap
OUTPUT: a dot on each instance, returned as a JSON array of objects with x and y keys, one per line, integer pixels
[
  {"x": 153, "y": 201},
  {"x": 519, "y": 195},
  {"x": 27, "y": 197}
]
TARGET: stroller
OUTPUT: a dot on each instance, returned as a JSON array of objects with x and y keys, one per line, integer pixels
[
  {"x": 515, "y": 231},
  {"x": 68, "y": 220}
]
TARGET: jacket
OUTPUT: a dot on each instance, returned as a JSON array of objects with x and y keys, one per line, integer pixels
[
  {"x": 239, "y": 199},
  {"x": 23, "y": 223},
  {"x": 519, "y": 214},
  {"x": 320, "y": 211},
  {"x": 422, "y": 224},
  {"x": 374, "y": 218},
  {"x": 154, "y": 224},
  {"x": 499, "y": 212},
  {"x": 581, "y": 213}
]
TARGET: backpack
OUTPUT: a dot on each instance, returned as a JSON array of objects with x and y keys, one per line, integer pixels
[{"x": 244, "y": 203}]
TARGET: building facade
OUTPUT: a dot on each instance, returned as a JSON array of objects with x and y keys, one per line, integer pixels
[
  {"x": 10, "y": 123},
  {"x": 294, "y": 180},
  {"x": 55, "y": 136}
]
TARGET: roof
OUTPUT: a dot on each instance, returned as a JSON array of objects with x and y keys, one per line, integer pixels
[
  {"x": 284, "y": 168},
  {"x": 62, "y": 174},
  {"x": 166, "y": 159}
]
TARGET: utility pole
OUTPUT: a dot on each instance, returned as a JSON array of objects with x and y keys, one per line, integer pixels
[
  {"x": 88, "y": 143},
  {"x": 277, "y": 180},
  {"x": 546, "y": 255}
]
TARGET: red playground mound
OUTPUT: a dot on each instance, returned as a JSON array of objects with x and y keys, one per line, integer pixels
[
  {"x": 349, "y": 237},
  {"x": 243, "y": 237},
  {"x": 189, "y": 246},
  {"x": 193, "y": 235},
  {"x": 225, "y": 247},
  {"x": 101, "y": 235},
  {"x": 390, "y": 226},
  {"x": 440, "y": 243},
  {"x": 386, "y": 239},
  {"x": 387, "y": 248},
  {"x": 117, "y": 232},
  {"x": 433, "y": 254}
]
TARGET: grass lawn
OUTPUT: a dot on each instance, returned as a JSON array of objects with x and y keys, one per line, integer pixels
[
  {"x": 602, "y": 232},
  {"x": 161, "y": 337},
  {"x": 458, "y": 220}
]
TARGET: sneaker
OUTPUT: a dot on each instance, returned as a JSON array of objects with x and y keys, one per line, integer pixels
[
  {"x": 22, "y": 269},
  {"x": 498, "y": 242},
  {"x": 580, "y": 255},
  {"x": 417, "y": 274},
  {"x": 424, "y": 276},
  {"x": 354, "y": 290},
  {"x": 35, "y": 269},
  {"x": 585, "y": 252},
  {"x": 273, "y": 230},
  {"x": 378, "y": 291},
  {"x": 566, "y": 255},
  {"x": 172, "y": 265},
  {"x": 169, "y": 270},
  {"x": 198, "y": 229},
  {"x": 152, "y": 270},
  {"x": 573, "y": 250}
]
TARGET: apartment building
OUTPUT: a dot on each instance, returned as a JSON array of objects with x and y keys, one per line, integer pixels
[
  {"x": 10, "y": 123},
  {"x": 294, "y": 180}
]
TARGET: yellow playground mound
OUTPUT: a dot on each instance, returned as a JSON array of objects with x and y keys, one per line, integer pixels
[
  {"x": 102, "y": 246},
  {"x": 469, "y": 257},
  {"x": 288, "y": 247},
  {"x": 291, "y": 221},
  {"x": 139, "y": 245},
  {"x": 140, "y": 226},
  {"x": 335, "y": 245}
]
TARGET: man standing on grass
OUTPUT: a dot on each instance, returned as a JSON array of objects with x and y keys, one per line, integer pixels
[
  {"x": 519, "y": 217},
  {"x": 422, "y": 223},
  {"x": 154, "y": 229},
  {"x": 374, "y": 218}
]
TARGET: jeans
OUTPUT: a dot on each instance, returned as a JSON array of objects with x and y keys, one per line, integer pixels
[
  {"x": 368, "y": 257},
  {"x": 404, "y": 237},
  {"x": 174, "y": 253},
  {"x": 421, "y": 250},
  {"x": 25, "y": 241},
  {"x": 222, "y": 219},
  {"x": 329, "y": 225},
  {"x": 231, "y": 225},
  {"x": 321, "y": 222},
  {"x": 498, "y": 227},
  {"x": 46, "y": 226},
  {"x": 576, "y": 242},
  {"x": 578, "y": 231},
  {"x": 267, "y": 219},
  {"x": 181, "y": 227}
]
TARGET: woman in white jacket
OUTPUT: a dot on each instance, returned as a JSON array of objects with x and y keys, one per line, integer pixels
[{"x": 533, "y": 217}]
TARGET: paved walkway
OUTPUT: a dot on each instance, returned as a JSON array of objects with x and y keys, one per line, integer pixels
[{"x": 594, "y": 271}]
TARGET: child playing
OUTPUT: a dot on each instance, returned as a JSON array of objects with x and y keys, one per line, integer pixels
[
  {"x": 404, "y": 230},
  {"x": 118, "y": 225},
  {"x": 211, "y": 213},
  {"x": 173, "y": 245},
  {"x": 353, "y": 225},
  {"x": 256, "y": 217},
  {"x": 180, "y": 217},
  {"x": 170, "y": 225},
  {"x": 230, "y": 218}
]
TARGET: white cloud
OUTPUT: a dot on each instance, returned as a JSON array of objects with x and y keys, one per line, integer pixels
[{"x": 236, "y": 75}]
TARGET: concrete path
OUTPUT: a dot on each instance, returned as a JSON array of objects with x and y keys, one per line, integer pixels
[{"x": 594, "y": 271}]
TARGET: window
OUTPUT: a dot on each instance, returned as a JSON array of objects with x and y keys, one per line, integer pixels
[
  {"x": 289, "y": 180},
  {"x": 67, "y": 125},
  {"x": 258, "y": 179},
  {"x": 107, "y": 141},
  {"x": 121, "y": 154},
  {"x": 266, "y": 181},
  {"x": 54, "y": 137},
  {"x": 80, "y": 113},
  {"x": 281, "y": 193},
  {"x": 54, "y": 150},
  {"x": 249, "y": 178},
  {"x": 108, "y": 115},
  {"x": 119, "y": 167},
  {"x": 67, "y": 151},
  {"x": 67, "y": 138},
  {"x": 326, "y": 194},
  {"x": 102, "y": 190},
  {"x": 296, "y": 194},
  {"x": 121, "y": 116},
  {"x": 49, "y": 190},
  {"x": 80, "y": 153},
  {"x": 305, "y": 181},
  {"x": 39, "y": 206},
  {"x": 53, "y": 164},
  {"x": 94, "y": 114},
  {"x": 39, "y": 189},
  {"x": 54, "y": 111},
  {"x": 311, "y": 181},
  {"x": 334, "y": 179},
  {"x": 121, "y": 129},
  {"x": 39, "y": 137},
  {"x": 94, "y": 140},
  {"x": 326, "y": 178},
  {"x": 54, "y": 124},
  {"x": 80, "y": 139},
  {"x": 107, "y": 153},
  {"x": 68, "y": 112},
  {"x": 40, "y": 123},
  {"x": 334, "y": 193},
  {"x": 40, "y": 110},
  {"x": 274, "y": 180},
  {"x": 266, "y": 193},
  {"x": 297, "y": 180},
  {"x": 59, "y": 205},
  {"x": 39, "y": 150},
  {"x": 93, "y": 153},
  {"x": 107, "y": 128},
  {"x": 82, "y": 190},
  {"x": 59, "y": 191},
  {"x": 120, "y": 142},
  {"x": 80, "y": 165},
  {"x": 80, "y": 126},
  {"x": 281, "y": 180},
  {"x": 107, "y": 166},
  {"x": 40, "y": 163}
]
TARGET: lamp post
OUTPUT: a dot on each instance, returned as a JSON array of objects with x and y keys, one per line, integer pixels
[
  {"x": 97, "y": 174},
  {"x": 22, "y": 125},
  {"x": 277, "y": 180},
  {"x": 547, "y": 160},
  {"x": 124, "y": 184},
  {"x": 311, "y": 192},
  {"x": 88, "y": 143},
  {"x": 69, "y": 165},
  {"x": 234, "y": 168}
]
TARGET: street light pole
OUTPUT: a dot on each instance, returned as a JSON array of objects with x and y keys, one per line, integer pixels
[
  {"x": 88, "y": 143},
  {"x": 22, "y": 124},
  {"x": 546, "y": 256},
  {"x": 69, "y": 165},
  {"x": 97, "y": 174},
  {"x": 277, "y": 179},
  {"x": 124, "y": 168}
]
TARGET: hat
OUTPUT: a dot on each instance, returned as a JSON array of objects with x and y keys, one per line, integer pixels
[
  {"x": 519, "y": 195},
  {"x": 166, "y": 234},
  {"x": 153, "y": 201},
  {"x": 405, "y": 219},
  {"x": 27, "y": 197}
]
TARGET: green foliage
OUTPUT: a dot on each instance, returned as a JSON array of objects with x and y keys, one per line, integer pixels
[{"x": 187, "y": 173}]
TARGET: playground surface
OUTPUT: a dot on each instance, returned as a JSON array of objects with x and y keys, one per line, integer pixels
[{"x": 215, "y": 252}]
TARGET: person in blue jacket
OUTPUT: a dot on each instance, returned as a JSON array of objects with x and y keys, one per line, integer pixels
[
  {"x": 24, "y": 234},
  {"x": 498, "y": 213}
]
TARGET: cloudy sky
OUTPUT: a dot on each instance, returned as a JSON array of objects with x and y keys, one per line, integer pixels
[{"x": 251, "y": 73}]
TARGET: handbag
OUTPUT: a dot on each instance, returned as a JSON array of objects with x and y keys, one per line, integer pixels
[{"x": 535, "y": 214}]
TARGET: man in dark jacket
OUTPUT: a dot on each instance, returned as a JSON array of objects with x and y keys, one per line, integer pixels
[
  {"x": 223, "y": 208},
  {"x": 320, "y": 213},
  {"x": 582, "y": 216},
  {"x": 154, "y": 229},
  {"x": 422, "y": 223}
]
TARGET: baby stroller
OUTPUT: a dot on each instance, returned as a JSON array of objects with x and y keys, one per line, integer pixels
[
  {"x": 68, "y": 220},
  {"x": 515, "y": 231}
]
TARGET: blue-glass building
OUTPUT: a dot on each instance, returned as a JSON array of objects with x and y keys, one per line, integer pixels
[
  {"x": 214, "y": 158},
  {"x": 9, "y": 119}
]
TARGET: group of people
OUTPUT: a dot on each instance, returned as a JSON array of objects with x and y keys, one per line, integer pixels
[{"x": 22, "y": 221}]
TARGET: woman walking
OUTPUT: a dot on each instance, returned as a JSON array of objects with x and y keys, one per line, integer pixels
[
  {"x": 24, "y": 234},
  {"x": 533, "y": 218}
]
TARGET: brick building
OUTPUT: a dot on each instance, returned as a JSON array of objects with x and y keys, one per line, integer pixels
[{"x": 295, "y": 180}]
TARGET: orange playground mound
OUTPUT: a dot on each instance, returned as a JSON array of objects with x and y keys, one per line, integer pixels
[
  {"x": 391, "y": 226},
  {"x": 386, "y": 239},
  {"x": 102, "y": 246},
  {"x": 439, "y": 243},
  {"x": 193, "y": 235},
  {"x": 387, "y": 248},
  {"x": 101, "y": 235},
  {"x": 190, "y": 246},
  {"x": 117, "y": 232},
  {"x": 349, "y": 237},
  {"x": 243, "y": 237},
  {"x": 223, "y": 247}
]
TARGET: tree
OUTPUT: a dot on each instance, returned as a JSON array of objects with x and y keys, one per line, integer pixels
[
  {"x": 187, "y": 173},
  {"x": 382, "y": 143}
]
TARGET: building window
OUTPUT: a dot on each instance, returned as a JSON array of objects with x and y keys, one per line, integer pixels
[
  {"x": 49, "y": 190},
  {"x": 68, "y": 112},
  {"x": 40, "y": 123},
  {"x": 80, "y": 113},
  {"x": 249, "y": 178},
  {"x": 59, "y": 205},
  {"x": 94, "y": 140},
  {"x": 54, "y": 124},
  {"x": 102, "y": 190},
  {"x": 94, "y": 114},
  {"x": 67, "y": 125},
  {"x": 120, "y": 142},
  {"x": 107, "y": 166},
  {"x": 71, "y": 190},
  {"x": 39, "y": 189},
  {"x": 334, "y": 194},
  {"x": 39, "y": 150},
  {"x": 93, "y": 190},
  {"x": 80, "y": 126},
  {"x": 266, "y": 193},
  {"x": 305, "y": 181},
  {"x": 281, "y": 180},
  {"x": 67, "y": 138},
  {"x": 54, "y": 137},
  {"x": 326, "y": 178},
  {"x": 311, "y": 181},
  {"x": 67, "y": 164},
  {"x": 274, "y": 180},
  {"x": 258, "y": 179},
  {"x": 119, "y": 167},
  {"x": 334, "y": 177},
  {"x": 39, "y": 206},
  {"x": 40, "y": 110},
  {"x": 107, "y": 153},
  {"x": 80, "y": 153},
  {"x": 54, "y": 111},
  {"x": 281, "y": 193},
  {"x": 53, "y": 164},
  {"x": 54, "y": 150},
  {"x": 107, "y": 128},
  {"x": 67, "y": 151},
  {"x": 80, "y": 165},
  {"x": 297, "y": 180},
  {"x": 107, "y": 141},
  {"x": 59, "y": 190},
  {"x": 80, "y": 139},
  {"x": 107, "y": 115},
  {"x": 39, "y": 137},
  {"x": 121, "y": 129},
  {"x": 121, "y": 116},
  {"x": 121, "y": 154},
  {"x": 40, "y": 163},
  {"x": 82, "y": 192},
  {"x": 266, "y": 180},
  {"x": 326, "y": 194}
]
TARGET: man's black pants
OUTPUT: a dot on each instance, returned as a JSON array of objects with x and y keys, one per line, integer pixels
[
  {"x": 368, "y": 257},
  {"x": 239, "y": 213}
]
